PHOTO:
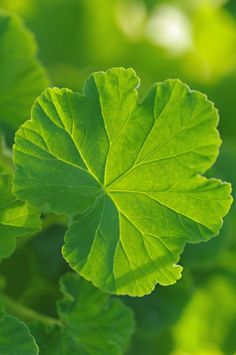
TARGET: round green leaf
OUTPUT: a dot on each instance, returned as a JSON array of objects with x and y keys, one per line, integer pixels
[
  {"x": 15, "y": 338},
  {"x": 131, "y": 169}
]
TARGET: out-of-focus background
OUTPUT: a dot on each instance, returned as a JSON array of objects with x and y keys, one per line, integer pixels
[{"x": 194, "y": 40}]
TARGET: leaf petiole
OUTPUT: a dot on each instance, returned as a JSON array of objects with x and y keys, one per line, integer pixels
[{"x": 27, "y": 314}]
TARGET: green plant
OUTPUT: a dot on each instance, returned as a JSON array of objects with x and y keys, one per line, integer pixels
[
  {"x": 122, "y": 178},
  {"x": 127, "y": 173}
]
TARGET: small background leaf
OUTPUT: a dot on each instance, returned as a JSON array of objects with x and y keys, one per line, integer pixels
[
  {"x": 15, "y": 338},
  {"x": 22, "y": 77},
  {"x": 91, "y": 322},
  {"x": 17, "y": 219}
]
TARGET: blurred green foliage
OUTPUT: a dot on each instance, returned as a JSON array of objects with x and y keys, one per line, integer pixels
[{"x": 194, "y": 40}]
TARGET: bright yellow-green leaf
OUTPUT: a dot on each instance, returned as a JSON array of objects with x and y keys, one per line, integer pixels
[{"x": 132, "y": 169}]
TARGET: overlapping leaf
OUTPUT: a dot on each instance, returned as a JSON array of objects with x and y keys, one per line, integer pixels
[
  {"x": 91, "y": 322},
  {"x": 22, "y": 77},
  {"x": 15, "y": 338},
  {"x": 156, "y": 314},
  {"x": 17, "y": 218},
  {"x": 131, "y": 169}
]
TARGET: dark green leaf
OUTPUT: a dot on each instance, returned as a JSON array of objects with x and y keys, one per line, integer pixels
[
  {"x": 92, "y": 323},
  {"x": 22, "y": 77},
  {"x": 15, "y": 338},
  {"x": 17, "y": 219}
]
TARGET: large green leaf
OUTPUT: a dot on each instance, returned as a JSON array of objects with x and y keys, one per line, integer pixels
[
  {"x": 92, "y": 323},
  {"x": 22, "y": 77},
  {"x": 15, "y": 338},
  {"x": 131, "y": 169},
  {"x": 17, "y": 218}
]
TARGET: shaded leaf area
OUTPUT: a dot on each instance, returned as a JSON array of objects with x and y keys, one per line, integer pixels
[
  {"x": 17, "y": 219},
  {"x": 90, "y": 322},
  {"x": 204, "y": 323},
  {"x": 156, "y": 314},
  {"x": 32, "y": 273},
  {"x": 22, "y": 77},
  {"x": 136, "y": 212},
  {"x": 15, "y": 337}
]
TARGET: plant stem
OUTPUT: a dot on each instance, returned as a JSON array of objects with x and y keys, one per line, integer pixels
[{"x": 27, "y": 314}]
